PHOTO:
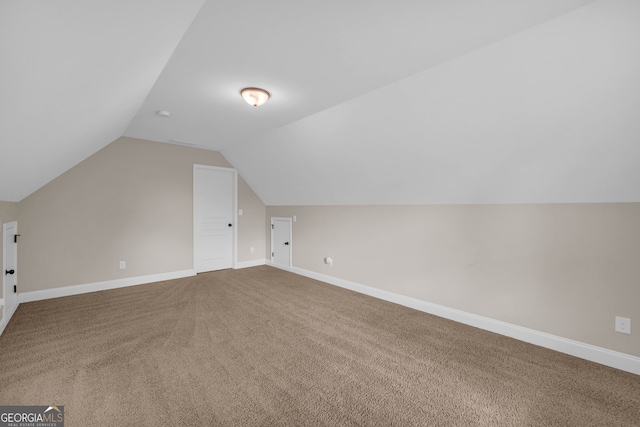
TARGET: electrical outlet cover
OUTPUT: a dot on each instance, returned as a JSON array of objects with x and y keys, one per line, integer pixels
[{"x": 623, "y": 325}]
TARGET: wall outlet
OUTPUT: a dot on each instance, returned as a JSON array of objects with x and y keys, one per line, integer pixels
[
  {"x": 239, "y": 212},
  {"x": 295, "y": 218},
  {"x": 623, "y": 325},
  {"x": 123, "y": 265},
  {"x": 252, "y": 249}
]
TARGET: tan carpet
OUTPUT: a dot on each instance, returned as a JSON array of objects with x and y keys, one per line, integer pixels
[{"x": 263, "y": 347}]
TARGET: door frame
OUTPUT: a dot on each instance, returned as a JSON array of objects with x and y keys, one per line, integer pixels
[
  {"x": 234, "y": 216},
  {"x": 7, "y": 312},
  {"x": 280, "y": 218}
]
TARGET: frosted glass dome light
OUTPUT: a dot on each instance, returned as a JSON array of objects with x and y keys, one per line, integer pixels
[{"x": 255, "y": 96}]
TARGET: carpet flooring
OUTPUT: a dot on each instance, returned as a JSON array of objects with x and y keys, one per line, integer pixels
[{"x": 264, "y": 347}]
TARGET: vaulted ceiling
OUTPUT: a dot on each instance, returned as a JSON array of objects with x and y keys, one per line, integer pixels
[{"x": 373, "y": 102}]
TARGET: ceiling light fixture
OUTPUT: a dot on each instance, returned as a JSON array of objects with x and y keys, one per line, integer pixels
[
  {"x": 255, "y": 96},
  {"x": 163, "y": 113}
]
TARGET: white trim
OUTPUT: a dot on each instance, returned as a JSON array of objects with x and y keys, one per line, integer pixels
[
  {"x": 271, "y": 264},
  {"x": 102, "y": 286},
  {"x": 2, "y": 325},
  {"x": 614, "y": 359},
  {"x": 7, "y": 316},
  {"x": 235, "y": 219},
  {"x": 247, "y": 264}
]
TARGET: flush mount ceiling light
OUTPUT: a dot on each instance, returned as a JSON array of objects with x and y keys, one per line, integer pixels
[
  {"x": 163, "y": 113},
  {"x": 254, "y": 96}
]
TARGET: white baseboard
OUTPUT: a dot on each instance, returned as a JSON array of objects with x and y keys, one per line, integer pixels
[
  {"x": 614, "y": 359},
  {"x": 282, "y": 267},
  {"x": 102, "y": 286},
  {"x": 247, "y": 264}
]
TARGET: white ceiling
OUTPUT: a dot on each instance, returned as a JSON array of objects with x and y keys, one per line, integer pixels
[
  {"x": 411, "y": 101},
  {"x": 73, "y": 73}
]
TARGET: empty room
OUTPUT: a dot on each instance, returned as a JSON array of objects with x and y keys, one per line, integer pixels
[{"x": 336, "y": 213}]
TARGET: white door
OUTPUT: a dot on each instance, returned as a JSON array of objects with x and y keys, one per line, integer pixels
[
  {"x": 10, "y": 270},
  {"x": 281, "y": 245},
  {"x": 214, "y": 201}
]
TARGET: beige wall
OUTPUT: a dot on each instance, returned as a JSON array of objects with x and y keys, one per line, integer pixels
[
  {"x": 251, "y": 225},
  {"x": 131, "y": 201},
  {"x": 564, "y": 269},
  {"x": 8, "y": 213}
]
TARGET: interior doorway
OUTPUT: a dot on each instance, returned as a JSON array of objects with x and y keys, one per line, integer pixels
[
  {"x": 214, "y": 217},
  {"x": 9, "y": 270},
  {"x": 281, "y": 244}
]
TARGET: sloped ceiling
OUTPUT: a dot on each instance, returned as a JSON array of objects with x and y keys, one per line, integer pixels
[
  {"x": 549, "y": 115},
  {"x": 411, "y": 101},
  {"x": 73, "y": 73}
]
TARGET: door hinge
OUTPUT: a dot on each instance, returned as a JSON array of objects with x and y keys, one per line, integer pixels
[
  {"x": 272, "y": 226},
  {"x": 272, "y": 254},
  {"x": 15, "y": 289}
]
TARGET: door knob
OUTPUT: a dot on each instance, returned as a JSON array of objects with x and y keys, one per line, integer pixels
[
  {"x": 286, "y": 243},
  {"x": 229, "y": 225},
  {"x": 9, "y": 272}
]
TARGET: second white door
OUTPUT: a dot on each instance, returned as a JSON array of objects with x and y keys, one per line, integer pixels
[
  {"x": 10, "y": 264},
  {"x": 281, "y": 245},
  {"x": 214, "y": 198}
]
